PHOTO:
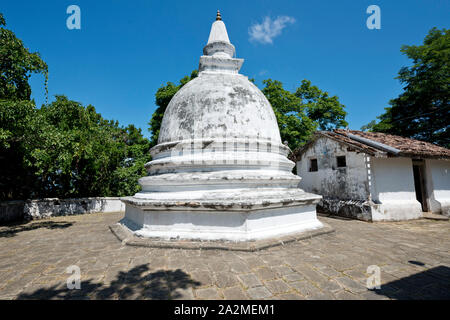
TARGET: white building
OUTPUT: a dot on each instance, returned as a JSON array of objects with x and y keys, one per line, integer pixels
[{"x": 374, "y": 176}]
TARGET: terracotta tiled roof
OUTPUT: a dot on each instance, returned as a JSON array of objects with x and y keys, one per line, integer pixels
[{"x": 405, "y": 147}]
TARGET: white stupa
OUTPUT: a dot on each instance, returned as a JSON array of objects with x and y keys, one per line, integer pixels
[{"x": 220, "y": 171}]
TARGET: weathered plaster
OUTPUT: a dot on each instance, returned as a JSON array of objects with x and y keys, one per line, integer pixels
[
  {"x": 330, "y": 181},
  {"x": 217, "y": 106}
]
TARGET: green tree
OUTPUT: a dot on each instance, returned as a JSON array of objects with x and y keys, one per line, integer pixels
[
  {"x": 77, "y": 153},
  {"x": 162, "y": 99},
  {"x": 327, "y": 111},
  {"x": 67, "y": 150},
  {"x": 422, "y": 111},
  {"x": 16, "y": 113},
  {"x": 126, "y": 175},
  {"x": 63, "y": 149},
  {"x": 369, "y": 126},
  {"x": 17, "y": 180},
  {"x": 17, "y": 64},
  {"x": 299, "y": 114},
  {"x": 294, "y": 124}
]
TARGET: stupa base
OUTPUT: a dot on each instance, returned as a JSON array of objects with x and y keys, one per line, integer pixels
[
  {"x": 221, "y": 221},
  {"x": 127, "y": 237}
]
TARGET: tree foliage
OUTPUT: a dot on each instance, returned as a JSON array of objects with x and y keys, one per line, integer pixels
[
  {"x": 67, "y": 150},
  {"x": 294, "y": 124},
  {"x": 77, "y": 153},
  {"x": 17, "y": 64},
  {"x": 369, "y": 126},
  {"x": 299, "y": 114},
  {"x": 15, "y": 117},
  {"x": 326, "y": 111},
  {"x": 62, "y": 149},
  {"x": 422, "y": 111}
]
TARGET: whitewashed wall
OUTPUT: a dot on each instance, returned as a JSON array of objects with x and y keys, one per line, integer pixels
[
  {"x": 50, "y": 207},
  {"x": 329, "y": 181},
  {"x": 393, "y": 190},
  {"x": 43, "y": 208},
  {"x": 438, "y": 185}
]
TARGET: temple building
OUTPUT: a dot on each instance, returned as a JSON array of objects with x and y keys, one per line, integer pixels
[
  {"x": 375, "y": 176},
  {"x": 220, "y": 170}
]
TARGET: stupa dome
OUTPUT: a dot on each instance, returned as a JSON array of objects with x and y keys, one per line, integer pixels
[{"x": 197, "y": 110}]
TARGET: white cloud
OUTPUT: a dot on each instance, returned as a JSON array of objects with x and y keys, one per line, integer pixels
[{"x": 266, "y": 31}]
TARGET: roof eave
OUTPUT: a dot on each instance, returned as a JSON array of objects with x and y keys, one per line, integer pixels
[{"x": 321, "y": 134}]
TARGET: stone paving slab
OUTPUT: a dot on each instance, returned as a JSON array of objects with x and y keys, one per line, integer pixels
[{"x": 413, "y": 259}]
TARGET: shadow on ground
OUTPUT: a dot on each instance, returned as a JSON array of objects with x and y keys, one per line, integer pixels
[
  {"x": 137, "y": 283},
  {"x": 12, "y": 229},
  {"x": 432, "y": 284}
]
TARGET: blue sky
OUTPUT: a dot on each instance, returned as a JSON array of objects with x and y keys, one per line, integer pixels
[{"x": 126, "y": 50}]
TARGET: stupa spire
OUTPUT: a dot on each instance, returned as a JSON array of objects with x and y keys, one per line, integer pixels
[
  {"x": 219, "y": 52},
  {"x": 218, "y": 31}
]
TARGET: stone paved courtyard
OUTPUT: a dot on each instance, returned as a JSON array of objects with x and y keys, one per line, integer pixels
[{"x": 414, "y": 258}]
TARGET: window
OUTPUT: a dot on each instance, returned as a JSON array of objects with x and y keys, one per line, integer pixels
[
  {"x": 313, "y": 165},
  {"x": 341, "y": 162}
]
